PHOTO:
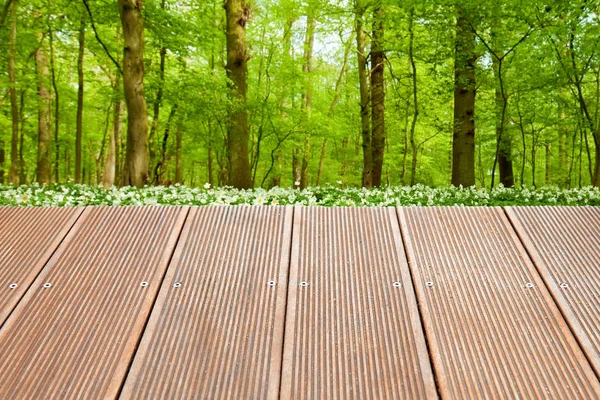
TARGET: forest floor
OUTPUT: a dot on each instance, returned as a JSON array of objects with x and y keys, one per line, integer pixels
[{"x": 418, "y": 195}]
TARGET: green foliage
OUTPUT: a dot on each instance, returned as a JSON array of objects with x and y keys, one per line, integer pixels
[{"x": 544, "y": 110}]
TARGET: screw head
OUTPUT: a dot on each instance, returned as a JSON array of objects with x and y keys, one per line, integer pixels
[
  {"x": 144, "y": 284},
  {"x": 564, "y": 285},
  {"x": 429, "y": 284},
  {"x": 177, "y": 284},
  {"x": 47, "y": 285},
  {"x": 271, "y": 283},
  {"x": 303, "y": 284},
  {"x": 396, "y": 284},
  {"x": 529, "y": 285},
  {"x": 12, "y": 286}
]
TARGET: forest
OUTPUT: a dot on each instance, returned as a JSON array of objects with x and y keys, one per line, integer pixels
[{"x": 300, "y": 93}]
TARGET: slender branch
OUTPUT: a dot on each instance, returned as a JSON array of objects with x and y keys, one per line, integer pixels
[
  {"x": 87, "y": 7},
  {"x": 492, "y": 52}
]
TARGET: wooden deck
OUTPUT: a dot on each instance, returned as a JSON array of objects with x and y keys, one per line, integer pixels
[{"x": 298, "y": 302}]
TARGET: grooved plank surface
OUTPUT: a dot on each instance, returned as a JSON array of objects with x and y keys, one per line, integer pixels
[
  {"x": 564, "y": 244},
  {"x": 490, "y": 335},
  {"x": 217, "y": 328},
  {"x": 28, "y": 237},
  {"x": 351, "y": 332},
  {"x": 76, "y": 338}
]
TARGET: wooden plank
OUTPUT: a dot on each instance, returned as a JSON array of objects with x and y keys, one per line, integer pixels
[
  {"x": 492, "y": 327},
  {"x": 74, "y": 333},
  {"x": 217, "y": 328},
  {"x": 564, "y": 244},
  {"x": 28, "y": 237},
  {"x": 352, "y": 324}
]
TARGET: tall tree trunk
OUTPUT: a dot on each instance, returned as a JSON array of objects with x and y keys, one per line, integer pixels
[
  {"x": 413, "y": 143},
  {"x": 321, "y": 161},
  {"x": 135, "y": 171},
  {"x": 44, "y": 167},
  {"x": 13, "y": 175},
  {"x": 108, "y": 176},
  {"x": 309, "y": 41},
  {"x": 377, "y": 95},
  {"x": 345, "y": 143},
  {"x": 237, "y": 15},
  {"x": 504, "y": 140},
  {"x": 79, "y": 131},
  {"x": 563, "y": 134},
  {"x": 178, "y": 155},
  {"x": 365, "y": 123},
  {"x": 463, "y": 141},
  {"x": 547, "y": 163},
  {"x": 111, "y": 162},
  {"x": 405, "y": 144},
  {"x": 158, "y": 100},
  {"x": 56, "y": 107},
  {"x": 22, "y": 176}
]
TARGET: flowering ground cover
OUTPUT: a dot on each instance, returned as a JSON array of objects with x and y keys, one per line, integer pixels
[{"x": 82, "y": 195}]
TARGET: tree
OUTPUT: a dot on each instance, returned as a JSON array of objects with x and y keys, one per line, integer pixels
[
  {"x": 377, "y": 95},
  {"x": 135, "y": 171},
  {"x": 237, "y": 15},
  {"x": 463, "y": 141},
  {"x": 44, "y": 173},
  {"x": 13, "y": 176},
  {"x": 79, "y": 128},
  {"x": 365, "y": 97}
]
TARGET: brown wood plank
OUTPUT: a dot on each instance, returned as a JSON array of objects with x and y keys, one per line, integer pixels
[
  {"x": 28, "y": 237},
  {"x": 352, "y": 323},
  {"x": 74, "y": 332},
  {"x": 492, "y": 327},
  {"x": 217, "y": 328},
  {"x": 564, "y": 244}
]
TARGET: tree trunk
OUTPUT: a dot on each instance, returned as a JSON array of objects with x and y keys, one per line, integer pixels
[
  {"x": 321, "y": 161},
  {"x": 296, "y": 168},
  {"x": 111, "y": 162},
  {"x": 377, "y": 95},
  {"x": 135, "y": 171},
  {"x": 365, "y": 123},
  {"x": 463, "y": 141},
  {"x": 158, "y": 100},
  {"x": 79, "y": 131},
  {"x": 2, "y": 161},
  {"x": 338, "y": 82},
  {"x": 108, "y": 177},
  {"x": 563, "y": 134},
  {"x": 237, "y": 15},
  {"x": 13, "y": 175},
  {"x": 56, "y": 108},
  {"x": 118, "y": 117},
  {"x": 307, "y": 68},
  {"x": 548, "y": 163},
  {"x": 405, "y": 144},
  {"x": 505, "y": 164},
  {"x": 345, "y": 143},
  {"x": 160, "y": 168},
  {"x": 44, "y": 169},
  {"x": 178, "y": 156},
  {"x": 22, "y": 176},
  {"x": 413, "y": 144}
]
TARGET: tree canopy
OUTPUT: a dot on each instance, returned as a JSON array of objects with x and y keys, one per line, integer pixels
[{"x": 298, "y": 93}]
